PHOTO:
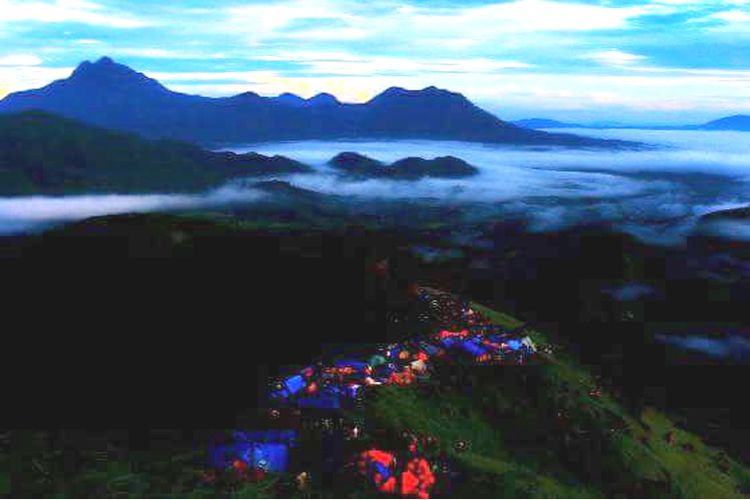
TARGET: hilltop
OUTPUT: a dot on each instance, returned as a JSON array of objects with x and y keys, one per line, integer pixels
[{"x": 355, "y": 165}]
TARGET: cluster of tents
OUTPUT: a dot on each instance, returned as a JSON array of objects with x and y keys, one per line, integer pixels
[{"x": 339, "y": 384}]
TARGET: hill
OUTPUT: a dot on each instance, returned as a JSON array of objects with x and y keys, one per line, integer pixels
[
  {"x": 551, "y": 428},
  {"x": 546, "y": 429},
  {"x": 356, "y": 165},
  {"x": 539, "y": 123},
  {"x": 742, "y": 213},
  {"x": 45, "y": 154},
  {"x": 111, "y": 95},
  {"x": 737, "y": 122}
]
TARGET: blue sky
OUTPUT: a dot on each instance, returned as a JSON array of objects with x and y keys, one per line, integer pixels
[{"x": 655, "y": 61}]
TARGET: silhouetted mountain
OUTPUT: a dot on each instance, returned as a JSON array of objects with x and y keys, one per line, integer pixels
[
  {"x": 442, "y": 166},
  {"x": 412, "y": 168},
  {"x": 114, "y": 96},
  {"x": 538, "y": 123},
  {"x": 546, "y": 123},
  {"x": 43, "y": 153},
  {"x": 742, "y": 213},
  {"x": 290, "y": 99},
  {"x": 736, "y": 122},
  {"x": 323, "y": 99},
  {"x": 740, "y": 123}
]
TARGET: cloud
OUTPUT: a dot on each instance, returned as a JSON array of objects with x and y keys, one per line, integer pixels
[
  {"x": 66, "y": 11},
  {"x": 14, "y": 78},
  {"x": 531, "y": 16},
  {"x": 731, "y": 16},
  {"x": 160, "y": 53},
  {"x": 338, "y": 63},
  {"x": 20, "y": 60},
  {"x": 88, "y": 41},
  {"x": 276, "y": 20},
  {"x": 614, "y": 57}
]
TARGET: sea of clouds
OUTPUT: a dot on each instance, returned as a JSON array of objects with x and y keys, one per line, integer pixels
[{"x": 655, "y": 193}]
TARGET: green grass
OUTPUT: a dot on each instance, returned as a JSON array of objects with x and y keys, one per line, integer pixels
[
  {"x": 638, "y": 461},
  {"x": 496, "y": 317},
  {"x": 489, "y": 465}
]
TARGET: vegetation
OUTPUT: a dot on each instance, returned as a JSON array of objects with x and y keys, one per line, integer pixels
[
  {"x": 548, "y": 430},
  {"x": 545, "y": 430},
  {"x": 45, "y": 154},
  {"x": 359, "y": 166}
]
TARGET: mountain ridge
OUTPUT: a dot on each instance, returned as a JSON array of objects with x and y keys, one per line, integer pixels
[
  {"x": 737, "y": 123},
  {"x": 111, "y": 95}
]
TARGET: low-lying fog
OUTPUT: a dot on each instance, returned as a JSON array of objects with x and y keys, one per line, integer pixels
[
  {"x": 24, "y": 213},
  {"x": 655, "y": 193}
]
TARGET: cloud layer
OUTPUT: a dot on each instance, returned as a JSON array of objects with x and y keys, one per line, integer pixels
[{"x": 656, "y": 194}]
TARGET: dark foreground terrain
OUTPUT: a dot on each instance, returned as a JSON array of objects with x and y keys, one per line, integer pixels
[{"x": 150, "y": 322}]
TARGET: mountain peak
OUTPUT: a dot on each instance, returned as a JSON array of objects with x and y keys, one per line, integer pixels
[
  {"x": 105, "y": 61},
  {"x": 106, "y": 72},
  {"x": 289, "y": 99},
  {"x": 323, "y": 99},
  {"x": 103, "y": 64},
  {"x": 432, "y": 93}
]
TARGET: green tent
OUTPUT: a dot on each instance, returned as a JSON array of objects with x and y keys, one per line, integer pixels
[{"x": 377, "y": 360}]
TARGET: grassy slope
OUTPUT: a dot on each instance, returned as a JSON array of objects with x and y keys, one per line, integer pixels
[{"x": 637, "y": 450}]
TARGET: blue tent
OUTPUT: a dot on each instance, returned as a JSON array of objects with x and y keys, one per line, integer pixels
[
  {"x": 323, "y": 401},
  {"x": 295, "y": 384},
  {"x": 270, "y": 436},
  {"x": 515, "y": 344},
  {"x": 271, "y": 457},
  {"x": 449, "y": 342},
  {"x": 473, "y": 348}
]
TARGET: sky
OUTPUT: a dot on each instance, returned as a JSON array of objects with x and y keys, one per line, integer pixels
[{"x": 627, "y": 61}]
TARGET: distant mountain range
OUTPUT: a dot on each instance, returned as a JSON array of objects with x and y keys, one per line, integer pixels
[
  {"x": 114, "y": 96},
  {"x": 740, "y": 123}
]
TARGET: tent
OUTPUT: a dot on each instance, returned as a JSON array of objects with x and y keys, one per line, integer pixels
[
  {"x": 270, "y": 457},
  {"x": 377, "y": 360},
  {"x": 418, "y": 366},
  {"x": 295, "y": 384}
]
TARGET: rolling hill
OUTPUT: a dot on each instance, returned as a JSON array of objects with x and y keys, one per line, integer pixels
[
  {"x": 44, "y": 154},
  {"x": 740, "y": 123}
]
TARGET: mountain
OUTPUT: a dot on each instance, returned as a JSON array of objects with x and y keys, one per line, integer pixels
[
  {"x": 539, "y": 123},
  {"x": 412, "y": 168},
  {"x": 546, "y": 123},
  {"x": 44, "y": 154},
  {"x": 740, "y": 123},
  {"x": 737, "y": 122},
  {"x": 733, "y": 214},
  {"x": 111, "y": 95}
]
